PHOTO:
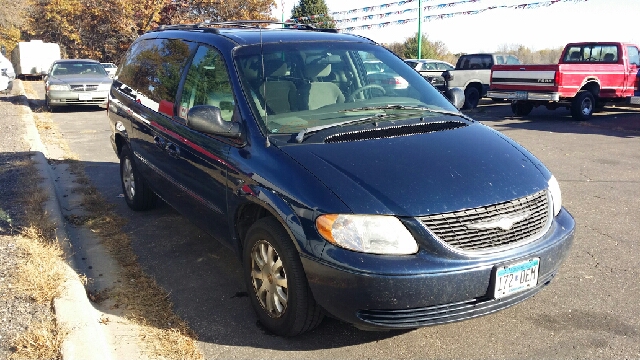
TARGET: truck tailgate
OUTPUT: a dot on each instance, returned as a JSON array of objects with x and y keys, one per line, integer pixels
[{"x": 524, "y": 77}]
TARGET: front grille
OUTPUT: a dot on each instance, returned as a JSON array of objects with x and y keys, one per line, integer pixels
[
  {"x": 84, "y": 87},
  {"x": 446, "y": 313},
  {"x": 485, "y": 228}
]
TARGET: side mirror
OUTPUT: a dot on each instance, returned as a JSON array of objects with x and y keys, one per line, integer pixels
[
  {"x": 207, "y": 119},
  {"x": 456, "y": 97}
]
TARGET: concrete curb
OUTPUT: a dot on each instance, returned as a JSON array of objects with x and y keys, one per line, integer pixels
[{"x": 74, "y": 312}]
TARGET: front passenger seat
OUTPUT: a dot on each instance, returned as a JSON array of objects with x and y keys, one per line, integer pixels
[
  {"x": 318, "y": 94},
  {"x": 279, "y": 95}
]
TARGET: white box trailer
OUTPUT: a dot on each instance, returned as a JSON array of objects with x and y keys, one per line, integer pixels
[{"x": 33, "y": 58}]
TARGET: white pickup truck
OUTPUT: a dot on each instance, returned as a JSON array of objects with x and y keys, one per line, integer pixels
[{"x": 472, "y": 75}]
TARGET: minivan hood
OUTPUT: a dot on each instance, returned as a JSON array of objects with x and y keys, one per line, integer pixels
[{"x": 423, "y": 174}]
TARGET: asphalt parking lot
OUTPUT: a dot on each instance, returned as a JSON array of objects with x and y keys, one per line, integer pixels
[{"x": 589, "y": 311}]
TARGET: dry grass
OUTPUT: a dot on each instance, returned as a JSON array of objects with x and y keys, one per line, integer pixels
[
  {"x": 40, "y": 270},
  {"x": 41, "y": 341},
  {"x": 143, "y": 301},
  {"x": 146, "y": 303}
]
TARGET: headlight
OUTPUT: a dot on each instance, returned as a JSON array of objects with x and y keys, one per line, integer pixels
[
  {"x": 376, "y": 234},
  {"x": 556, "y": 196},
  {"x": 58, "y": 87},
  {"x": 104, "y": 87}
]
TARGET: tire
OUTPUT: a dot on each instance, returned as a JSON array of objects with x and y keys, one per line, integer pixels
[
  {"x": 47, "y": 104},
  {"x": 276, "y": 281},
  {"x": 136, "y": 192},
  {"x": 583, "y": 105},
  {"x": 521, "y": 108},
  {"x": 471, "y": 98}
]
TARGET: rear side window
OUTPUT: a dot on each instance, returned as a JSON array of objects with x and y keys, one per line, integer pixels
[
  {"x": 474, "y": 62},
  {"x": 592, "y": 53},
  {"x": 153, "y": 69}
]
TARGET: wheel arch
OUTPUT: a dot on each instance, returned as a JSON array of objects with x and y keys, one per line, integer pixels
[
  {"x": 591, "y": 84},
  {"x": 120, "y": 141},
  {"x": 266, "y": 204},
  {"x": 474, "y": 83}
]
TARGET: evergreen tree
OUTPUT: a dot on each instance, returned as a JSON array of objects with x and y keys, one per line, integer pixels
[{"x": 308, "y": 8}]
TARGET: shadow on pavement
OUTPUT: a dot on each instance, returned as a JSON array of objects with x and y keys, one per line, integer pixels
[{"x": 612, "y": 121}]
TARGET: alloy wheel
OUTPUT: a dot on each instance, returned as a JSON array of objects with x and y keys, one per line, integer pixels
[
  {"x": 269, "y": 278},
  {"x": 128, "y": 179}
]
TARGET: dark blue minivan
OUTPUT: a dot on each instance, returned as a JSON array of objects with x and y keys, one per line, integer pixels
[{"x": 378, "y": 204}]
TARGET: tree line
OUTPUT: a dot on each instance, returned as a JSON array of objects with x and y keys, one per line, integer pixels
[
  {"x": 104, "y": 29},
  {"x": 408, "y": 49}
]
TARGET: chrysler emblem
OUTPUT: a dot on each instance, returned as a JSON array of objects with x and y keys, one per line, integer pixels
[{"x": 502, "y": 222}]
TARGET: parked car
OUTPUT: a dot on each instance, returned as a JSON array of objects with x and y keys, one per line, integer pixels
[
  {"x": 472, "y": 75},
  {"x": 379, "y": 73},
  {"x": 587, "y": 76},
  {"x": 431, "y": 70},
  {"x": 110, "y": 68},
  {"x": 76, "y": 82},
  {"x": 385, "y": 209}
]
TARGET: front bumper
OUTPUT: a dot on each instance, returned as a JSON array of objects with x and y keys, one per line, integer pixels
[
  {"x": 373, "y": 301},
  {"x": 524, "y": 95},
  {"x": 67, "y": 97}
]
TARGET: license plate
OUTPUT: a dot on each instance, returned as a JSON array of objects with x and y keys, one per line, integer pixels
[
  {"x": 84, "y": 97},
  {"x": 514, "y": 278},
  {"x": 522, "y": 95}
]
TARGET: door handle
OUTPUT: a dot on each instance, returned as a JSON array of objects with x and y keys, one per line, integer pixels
[
  {"x": 159, "y": 142},
  {"x": 173, "y": 150}
]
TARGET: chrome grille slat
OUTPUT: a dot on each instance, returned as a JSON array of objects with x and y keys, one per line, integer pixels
[
  {"x": 83, "y": 87},
  {"x": 454, "y": 228}
]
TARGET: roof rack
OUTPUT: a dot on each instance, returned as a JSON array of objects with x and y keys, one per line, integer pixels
[{"x": 212, "y": 26}]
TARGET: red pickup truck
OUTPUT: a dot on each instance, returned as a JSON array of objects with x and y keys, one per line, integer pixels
[{"x": 587, "y": 76}]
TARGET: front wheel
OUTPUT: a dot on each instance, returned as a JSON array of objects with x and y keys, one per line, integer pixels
[
  {"x": 275, "y": 278},
  {"x": 583, "y": 105},
  {"x": 137, "y": 193}
]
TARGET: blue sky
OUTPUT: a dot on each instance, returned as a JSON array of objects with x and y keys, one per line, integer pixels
[{"x": 538, "y": 28}]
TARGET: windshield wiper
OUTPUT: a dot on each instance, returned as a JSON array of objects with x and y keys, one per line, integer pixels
[
  {"x": 311, "y": 130},
  {"x": 410, "y": 107},
  {"x": 301, "y": 135}
]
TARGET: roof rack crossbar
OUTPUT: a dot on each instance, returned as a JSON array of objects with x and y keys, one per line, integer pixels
[{"x": 212, "y": 25}]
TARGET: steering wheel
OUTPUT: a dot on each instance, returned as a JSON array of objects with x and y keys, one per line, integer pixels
[{"x": 367, "y": 87}]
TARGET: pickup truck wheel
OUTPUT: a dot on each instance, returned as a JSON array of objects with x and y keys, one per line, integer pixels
[
  {"x": 137, "y": 193},
  {"x": 471, "y": 98},
  {"x": 582, "y": 105},
  {"x": 521, "y": 108},
  {"x": 276, "y": 281}
]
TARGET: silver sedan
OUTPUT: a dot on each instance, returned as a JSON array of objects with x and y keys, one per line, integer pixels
[{"x": 76, "y": 82}]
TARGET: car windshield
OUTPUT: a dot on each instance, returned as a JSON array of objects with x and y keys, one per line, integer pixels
[
  {"x": 77, "y": 68},
  {"x": 296, "y": 86},
  {"x": 108, "y": 66}
]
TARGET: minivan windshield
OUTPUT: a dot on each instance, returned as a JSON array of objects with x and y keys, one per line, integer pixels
[{"x": 296, "y": 86}]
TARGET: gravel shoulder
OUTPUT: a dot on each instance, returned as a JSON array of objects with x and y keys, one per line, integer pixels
[{"x": 16, "y": 312}]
